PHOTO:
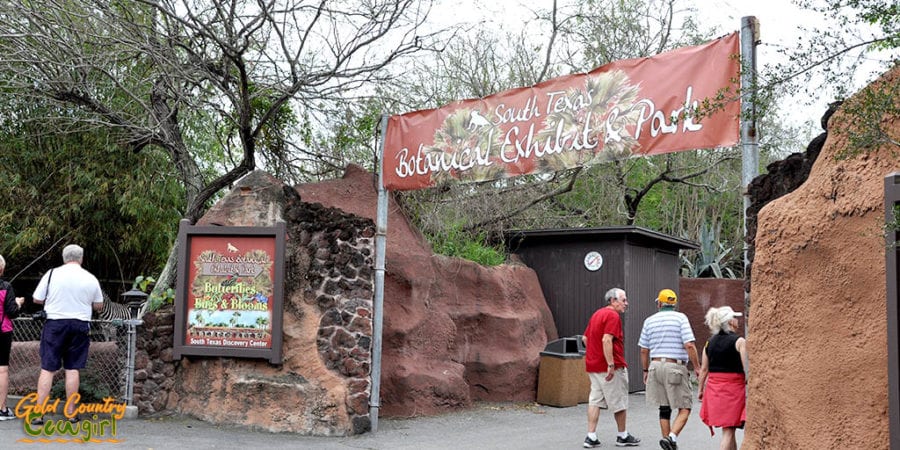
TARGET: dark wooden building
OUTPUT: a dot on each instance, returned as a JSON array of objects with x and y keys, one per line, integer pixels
[{"x": 577, "y": 266}]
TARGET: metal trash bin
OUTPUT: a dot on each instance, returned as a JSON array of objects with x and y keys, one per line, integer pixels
[{"x": 562, "y": 380}]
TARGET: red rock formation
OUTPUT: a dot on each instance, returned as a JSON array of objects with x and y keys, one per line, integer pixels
[
  {"x": 817, "y": 320},
  {"x": 322, "y": 387},
  {"x": 454, "y": 331}
]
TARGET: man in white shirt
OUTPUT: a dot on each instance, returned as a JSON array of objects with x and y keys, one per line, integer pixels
[
  {"x": 667, "y": 343},
  {"x": 69, "y": 293}
]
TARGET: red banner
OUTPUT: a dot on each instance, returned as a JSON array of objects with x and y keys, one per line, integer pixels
[{"x": 623, "y": 109}]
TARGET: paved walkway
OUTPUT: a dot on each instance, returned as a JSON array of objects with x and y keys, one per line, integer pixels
[{"x": 486, "y": 426}]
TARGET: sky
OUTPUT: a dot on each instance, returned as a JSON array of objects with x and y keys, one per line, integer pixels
[{"x": 780, "y": 25}]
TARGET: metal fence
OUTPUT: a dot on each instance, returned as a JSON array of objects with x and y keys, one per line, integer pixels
[{"x": 107, "y": 372}]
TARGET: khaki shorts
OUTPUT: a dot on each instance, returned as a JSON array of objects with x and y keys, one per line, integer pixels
[
  {"x": 669, "y": 384},
  {"x": 609, "y": 394}
]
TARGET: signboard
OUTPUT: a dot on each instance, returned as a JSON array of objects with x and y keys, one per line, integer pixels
[
  {"x": 230, "y": 290},
  {"x": 626, "y": 108}
]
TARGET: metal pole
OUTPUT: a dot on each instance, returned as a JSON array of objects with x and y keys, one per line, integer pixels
[
  {"x": 129, "y": 374},
  {"x": 381, "y": 221},
  {"x": 892, "y": 279},
  {"x": 749, "y": 137}
]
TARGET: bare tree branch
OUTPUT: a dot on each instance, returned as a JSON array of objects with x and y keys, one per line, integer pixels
[
  {"x": 559, "y": 191},
  {"x": 553, "y": 30},
  {"x": 182, "y": 75}
]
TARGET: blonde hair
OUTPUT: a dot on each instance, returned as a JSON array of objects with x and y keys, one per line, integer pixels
[{"x": 715, "y": 323}]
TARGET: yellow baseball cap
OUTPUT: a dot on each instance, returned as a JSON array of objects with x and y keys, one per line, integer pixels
[{"x": 667, "y": 297}]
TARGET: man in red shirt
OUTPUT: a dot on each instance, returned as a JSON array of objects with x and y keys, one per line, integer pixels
[{"x": 604, "y": 361}]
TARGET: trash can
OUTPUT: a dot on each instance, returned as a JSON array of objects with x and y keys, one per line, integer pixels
[{"x": 562, "y": 380}]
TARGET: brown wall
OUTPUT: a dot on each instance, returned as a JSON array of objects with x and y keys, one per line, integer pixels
[
  {"x": 697, "y": 295},
  {"x": 638, "y": 260},
  {"x": 818, "y": 331}
]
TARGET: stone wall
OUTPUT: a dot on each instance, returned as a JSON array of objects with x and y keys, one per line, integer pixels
[
  {"x": 154, "y": 368},
  {"x": 340, "y": 283},
  {"x": 454, "y": 333},
  {"x": 323, "y": 386}
]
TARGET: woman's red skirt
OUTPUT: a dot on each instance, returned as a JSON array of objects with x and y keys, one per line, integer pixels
[{"x": 724, "y": 400}]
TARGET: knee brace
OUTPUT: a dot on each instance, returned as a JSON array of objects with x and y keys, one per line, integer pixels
[{"x": 665, "y": 413}]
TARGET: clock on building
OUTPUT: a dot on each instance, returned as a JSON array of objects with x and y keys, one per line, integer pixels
[{"x": 593, "y": 261}]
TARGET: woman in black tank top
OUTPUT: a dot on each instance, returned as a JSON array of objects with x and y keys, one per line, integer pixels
[{"x": 722, "y": 379}]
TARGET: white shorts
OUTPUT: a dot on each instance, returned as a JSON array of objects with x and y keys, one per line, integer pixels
[{"x": 611, "y": 394}]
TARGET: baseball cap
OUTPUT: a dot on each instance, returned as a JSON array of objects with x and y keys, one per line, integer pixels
[
  {"x": 667, "y": 296},
  {"x": 725, "y": 313}
]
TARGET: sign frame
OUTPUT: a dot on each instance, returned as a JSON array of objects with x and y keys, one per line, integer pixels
[{"x": 187, "y": 235}]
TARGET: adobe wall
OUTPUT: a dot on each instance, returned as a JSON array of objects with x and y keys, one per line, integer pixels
[{"x": 818, "y": 317}]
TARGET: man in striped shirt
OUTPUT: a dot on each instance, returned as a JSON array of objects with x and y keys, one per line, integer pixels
[{"x": 667, "y": 343}]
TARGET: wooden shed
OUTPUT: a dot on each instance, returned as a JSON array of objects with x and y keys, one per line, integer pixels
[{"x": 577, "y": 266}]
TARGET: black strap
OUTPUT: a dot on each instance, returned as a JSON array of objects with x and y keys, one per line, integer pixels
[
  {"x": 3, "y": 303},
  {"x": 47, "y": 289}
]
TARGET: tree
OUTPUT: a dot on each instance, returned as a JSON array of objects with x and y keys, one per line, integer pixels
[
  {"x": 576, "y": 38},
  {"x": 863, "y": 35},
  {"x": 151, "y": 72},
  {"x": 78, "y": 187}
]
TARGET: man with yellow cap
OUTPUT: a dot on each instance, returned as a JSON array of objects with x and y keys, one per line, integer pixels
[{"x": 667, "y": 343}]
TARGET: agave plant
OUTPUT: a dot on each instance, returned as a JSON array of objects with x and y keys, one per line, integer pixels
[{"x": 710, "y": 260}]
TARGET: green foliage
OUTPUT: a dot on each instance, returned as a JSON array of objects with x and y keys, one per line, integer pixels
[
  {"x": 273, "y": 140},
  {"x": 891, "y": 227},
  {"x": 201, "y": 92},
  {"x": 883, "y": 15},
  {"x": 123, "y": 208},
  {"x": 862, "y": 41},
  {"x": 143, "y": 283},
  {"x": 463, "y": 245},
  {"x": 867, "y": 110},
  {"x": 343, "y": 136},
  {"x": 156, "y": 299}
]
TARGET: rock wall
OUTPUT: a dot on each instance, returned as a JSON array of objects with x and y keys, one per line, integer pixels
[
  {"x": 818, "y": 328},
  {"x": 781, "y": 178},
  {"x": 154, "y": 368},
  {"x": 454, "y": 332},
  {"x": 322, "y": 387}
]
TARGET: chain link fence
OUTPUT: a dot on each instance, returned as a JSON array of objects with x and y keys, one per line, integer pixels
[{"x": 106, "y": 374}]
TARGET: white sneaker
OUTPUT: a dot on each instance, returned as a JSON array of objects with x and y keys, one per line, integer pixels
[{"x": 7, "y": 415}]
